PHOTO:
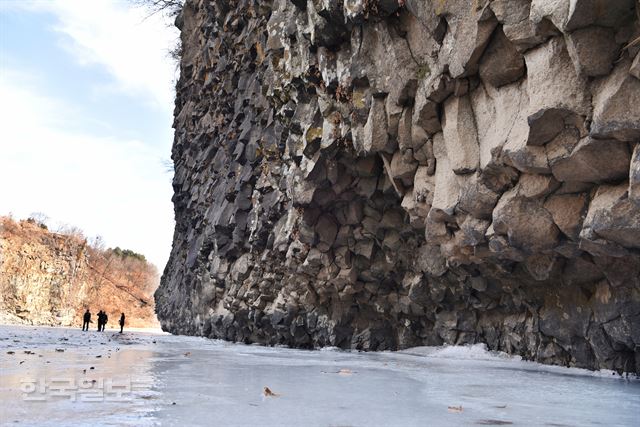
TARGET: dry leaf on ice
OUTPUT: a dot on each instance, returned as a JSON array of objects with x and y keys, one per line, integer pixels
[{"x": 268, "y": 393}]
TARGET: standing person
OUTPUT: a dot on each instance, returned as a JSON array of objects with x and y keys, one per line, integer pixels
[
  {"x": 105, "y": 318},
  {"x": 99, "y": 320},
  {"x": 86, "y": 319},
  {"x": 121, "y": 322}
]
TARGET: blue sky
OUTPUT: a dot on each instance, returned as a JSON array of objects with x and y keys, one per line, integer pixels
[{"x": 86, "y": 98}]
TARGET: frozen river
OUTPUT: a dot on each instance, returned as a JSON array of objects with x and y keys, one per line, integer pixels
[{"x": 58, "y": 376}]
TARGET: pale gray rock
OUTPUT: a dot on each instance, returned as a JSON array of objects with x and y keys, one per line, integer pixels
[
  {"x": 556, "y": 11},
  {"x": 376, "y": 138},
  {"x": 555, "y": 90},
  {"x": 447, "y": 191},
  {"x": 405, "y": 133},
  {"x": 460, "y": 135}
]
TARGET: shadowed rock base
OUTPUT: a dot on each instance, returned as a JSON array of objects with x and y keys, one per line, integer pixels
[{"x": 382, "y": 174}]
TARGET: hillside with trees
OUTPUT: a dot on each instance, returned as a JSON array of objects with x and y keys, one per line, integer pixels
[{"x": 51, "y": 278}]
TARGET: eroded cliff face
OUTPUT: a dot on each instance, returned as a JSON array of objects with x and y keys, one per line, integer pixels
[
  {"x": 51, "y": 279},
  {"x": 383, "y": 174}
]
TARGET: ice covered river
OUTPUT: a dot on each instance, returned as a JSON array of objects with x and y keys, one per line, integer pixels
[{"x": 59, "y": 376}]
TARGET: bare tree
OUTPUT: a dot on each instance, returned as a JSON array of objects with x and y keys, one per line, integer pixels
[
  {"x": 70, "y": 230},
  {"x": 97, "y": 243},
  {"x": 39, "y": 218},
  {"x": 170, "y": 7}
]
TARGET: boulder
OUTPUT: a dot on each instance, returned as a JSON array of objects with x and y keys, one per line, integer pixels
[
  {"x": 327, "y": 229},
  {"x": 501, "y": 121},
  {"x": 376, "y": 138},
  {"x": 501, "y": 63},
  {"x": 555, "y": 11},
  {"x": 425, "y": 110},
  {"x": 405, "y": 134},
  {"x": 568, "y": 212},
  {"x": 593, "y": 160},
  {"x": 613, "y": 96},
  {"x": 562, "y": 145},
  {"x": 565, "y": 315},
  {"x": 614, "y": 217},
  {"x": 424, "y": 185},
  {"x": 555, "y": 90},
  {"x": 475, "y": 197},
  {"x": 446, "y": 193},
  {"x": 592, "y": 50},
  {"x": 525, "y": 222},
  {"x": 403, "y": 167},
  {"x": 534, "y": 186},
  {"x": 469, "y": 31},
  {"x": 473, "y": 231},
  {"x": 514, "y": 17},
  {"x": 429, "y": 260},
  {"x": 604, "y": 13}
]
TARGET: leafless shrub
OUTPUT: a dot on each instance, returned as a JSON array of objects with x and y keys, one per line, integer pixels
[{"x": 168, "y": 7}]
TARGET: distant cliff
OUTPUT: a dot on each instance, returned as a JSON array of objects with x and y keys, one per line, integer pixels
[
  {"x": 378, "y": 174},
  {"x": 50, "y": 279}
]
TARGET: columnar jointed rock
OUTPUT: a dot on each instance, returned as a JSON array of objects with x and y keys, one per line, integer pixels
[{"x": 381, "y": 174}]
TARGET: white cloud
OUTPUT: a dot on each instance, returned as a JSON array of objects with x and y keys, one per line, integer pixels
[
  {"x": 129, "y": 43},
  {"x": 106, "y": 185},
  {"x": 112, "y": 187}
]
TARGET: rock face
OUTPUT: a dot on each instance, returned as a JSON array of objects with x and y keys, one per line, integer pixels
[
  {"x": 52, "y": 278},
  {"x": 384, "y": 174}
]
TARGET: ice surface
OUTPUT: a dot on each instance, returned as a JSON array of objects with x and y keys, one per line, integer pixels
[{"x": 216, "y": 383}]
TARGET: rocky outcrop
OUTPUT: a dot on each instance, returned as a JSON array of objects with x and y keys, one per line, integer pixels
[
  {"x": 51, "y": 278},
  {"x": 384, "y": 174}
]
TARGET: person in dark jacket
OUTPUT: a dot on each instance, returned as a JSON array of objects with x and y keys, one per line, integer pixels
[
  {"x": 105, "y": 318},
  {"x": 99, "y": 320},
  {"x": 121, "y": 322},
  {"x": 86, "y": 319}
]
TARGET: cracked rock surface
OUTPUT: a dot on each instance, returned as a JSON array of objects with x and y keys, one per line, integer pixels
[{"x": 380, "y": 174}]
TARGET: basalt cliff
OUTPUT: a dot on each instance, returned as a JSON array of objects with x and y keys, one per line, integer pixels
[{"x": 380, "y": 174}]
